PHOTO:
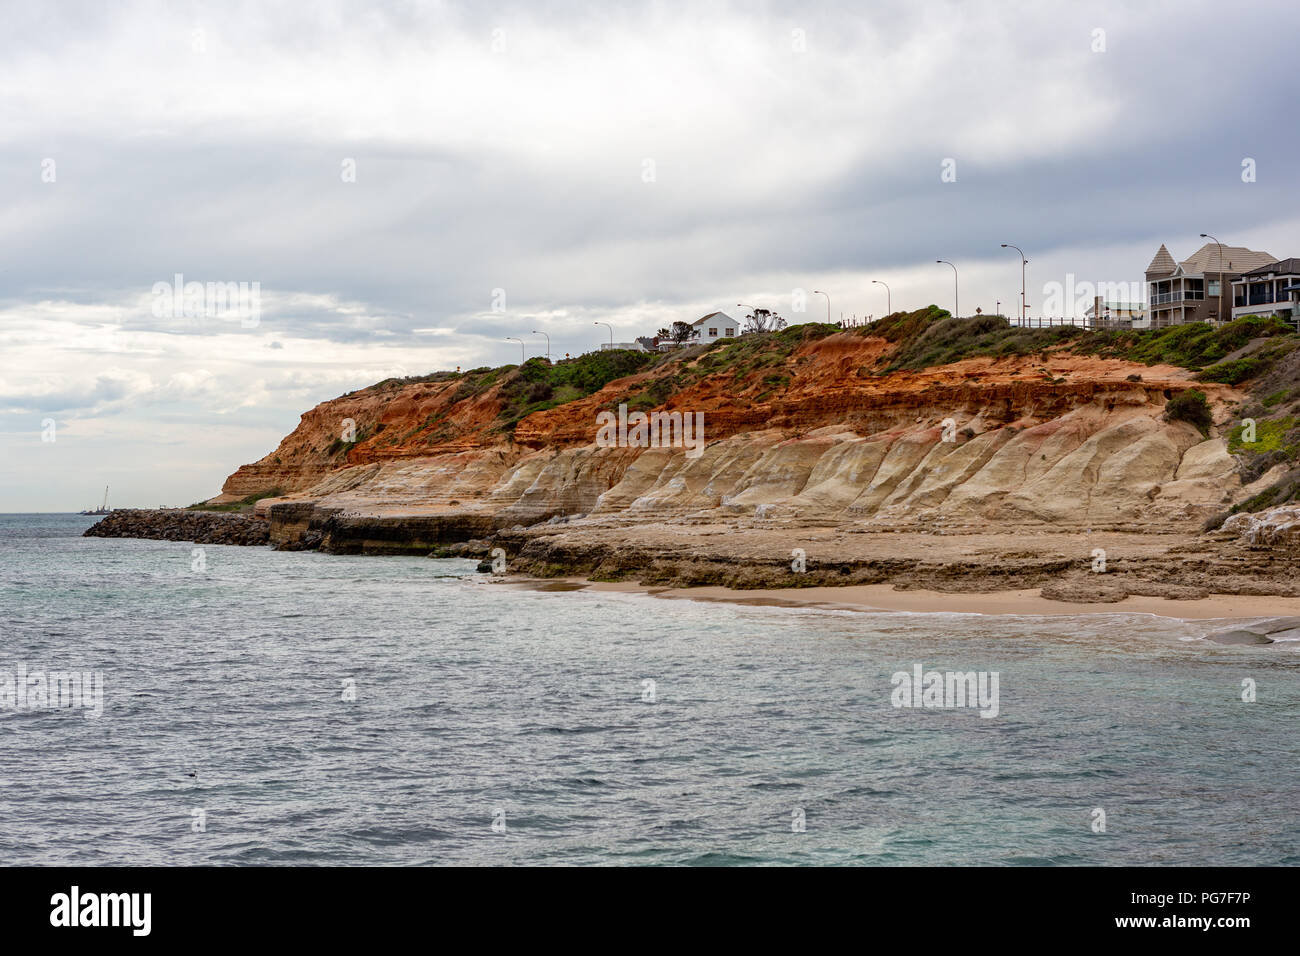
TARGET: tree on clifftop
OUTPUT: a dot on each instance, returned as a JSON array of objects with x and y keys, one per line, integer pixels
[
  {"x": 679, "y": 332},
  {"x": 763, "y": 320}
]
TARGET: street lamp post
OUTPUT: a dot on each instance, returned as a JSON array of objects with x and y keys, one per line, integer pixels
[
  {"x": 1219, "y": 255},
  {"x": 548, "y": 343},
  {"x": 1023, "y": 262},
  {"x": 611, "y": 331},
  {"x": 889, "y": 307},
  {"x": 511, "y": 338},
  {"x": 956, "y": 301},
  {"x": 828, "y": 303}
]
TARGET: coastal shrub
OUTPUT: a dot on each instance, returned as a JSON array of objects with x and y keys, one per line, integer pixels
[
  {"x": 1191, "y": 407},
  {"x": 652, "y": 397},
  {"x": 474, "y": 383},
  {"x": 392, "y": 383},
  {"x": 928, "y": 339},
  {"x": 538, "y": 392},
  {"x": 1286, "y": 488},
  {"x": 1193, "y": 345},
  {"x": 804, "y": 332},
  {"x": 538, "y": 385},
  {"x": 587, "y": 373},
  {"x": 1256, "y": 466},
  {"x": 906, "y": 326},
  {"x": 1271, "y": 434},
  {"x": 340, "y": 447},
  {"x": 1232, "y": 373},
  {"x": 742, "y": 356},
  {"x": 566, "y": 393}
]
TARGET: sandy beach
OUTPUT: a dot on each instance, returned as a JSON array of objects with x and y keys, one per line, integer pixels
[{"x": 884, "y": 597}]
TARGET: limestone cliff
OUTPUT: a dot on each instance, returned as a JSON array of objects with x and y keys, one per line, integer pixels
[{"x": 815, "y": 429}]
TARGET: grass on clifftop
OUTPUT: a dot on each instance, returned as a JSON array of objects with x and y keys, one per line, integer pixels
[
  {"x": 737, "y": 359},
  {"x": 1199, "y": 346},
  {"x": 931, "y": 336},
  {"x": 538, "y": 385}
]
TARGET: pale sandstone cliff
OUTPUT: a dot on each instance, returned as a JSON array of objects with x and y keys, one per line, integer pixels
[
  {"x": 1055, "y": 440},
  {"x": 1012, "y": 470},
  {"x": 1110, "y": 461}
]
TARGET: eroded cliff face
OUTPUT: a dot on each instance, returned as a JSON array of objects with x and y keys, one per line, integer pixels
[
  {"x": 1058, "y": 441},
  {"x": 381, "y": 424}
]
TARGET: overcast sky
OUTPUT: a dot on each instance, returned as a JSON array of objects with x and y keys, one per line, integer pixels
[{"x": 394, "y": 175}]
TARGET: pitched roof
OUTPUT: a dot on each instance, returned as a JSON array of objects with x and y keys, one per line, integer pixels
[
  {"x": 1235, "y": 259},
  {"x": 1282, "y": 267},
  {"x": 1163, "y": 262},
  {"x": 711, "y": 315}
]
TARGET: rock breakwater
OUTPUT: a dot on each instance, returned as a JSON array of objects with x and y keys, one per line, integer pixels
[{"x": 177, "y": 524}]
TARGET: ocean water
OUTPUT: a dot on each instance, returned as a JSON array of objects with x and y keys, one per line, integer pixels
[{"x": 226, "y": 737}]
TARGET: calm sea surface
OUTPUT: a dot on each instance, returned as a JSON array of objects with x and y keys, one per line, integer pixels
[{"x": 226, "y": 737}]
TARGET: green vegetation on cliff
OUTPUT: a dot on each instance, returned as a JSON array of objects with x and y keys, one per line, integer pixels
[
  {"x": 538, "y": 385},
  {"x": 1198, "y": 345},
  {"x": 1268, "y": 368},
  {"x": 1277, "y": 434},
  {"x": 1191, "y": 407},
  {"x": 736, "y": 360},
  {"x": 931, "y": 336}
]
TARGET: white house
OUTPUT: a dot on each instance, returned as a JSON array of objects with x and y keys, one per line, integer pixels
[
  {"x": 716, "y": 325},
  {"x": 1272, "y": 289}
]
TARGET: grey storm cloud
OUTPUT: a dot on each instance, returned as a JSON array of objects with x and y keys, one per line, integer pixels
[
  {"x": 623, "y": 162},
  {"x": 434, "y": 224}
]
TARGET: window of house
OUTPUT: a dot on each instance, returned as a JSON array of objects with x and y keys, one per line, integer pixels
[
  {"x": 730, "y": 331},
  {"x": 1214, "y": 287},
  {"x": 713, "y": 333}
]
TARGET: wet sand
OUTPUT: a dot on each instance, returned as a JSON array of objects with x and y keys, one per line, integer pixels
[{"x": 884, "y": 597}]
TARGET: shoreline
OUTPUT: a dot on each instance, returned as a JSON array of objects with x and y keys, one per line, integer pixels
[
  {"x": 1181, "y": 577},
  {"x": 886, "y": 598}
]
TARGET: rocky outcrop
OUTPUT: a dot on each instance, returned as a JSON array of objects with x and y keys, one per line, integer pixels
[
  {"x": 1064, "y": 566},
  {"x": 1276, "y": 526},
  {"x": 1271, "y": 631},
  {"x": 297, "y": 526},
  {"x": 174, "y": 524}
]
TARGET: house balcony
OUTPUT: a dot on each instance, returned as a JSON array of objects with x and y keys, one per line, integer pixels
[
  {"x": 1259, "y": 298},
  {"x": 1166, "y": 298}
]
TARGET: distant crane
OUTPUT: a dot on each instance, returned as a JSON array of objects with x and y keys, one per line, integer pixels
[{"x": 102, "y": 509}]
